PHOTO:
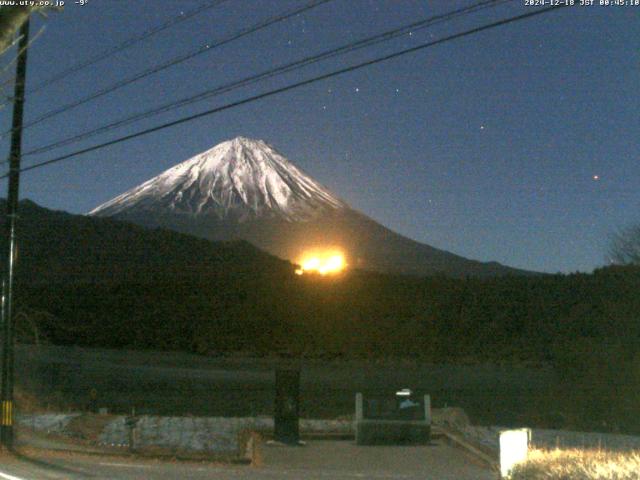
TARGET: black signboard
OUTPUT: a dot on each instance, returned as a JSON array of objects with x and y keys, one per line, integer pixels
[{"x": 287, "y": 406}]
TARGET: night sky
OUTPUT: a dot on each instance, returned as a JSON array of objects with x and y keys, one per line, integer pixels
[{"x": 520, "y": 144}]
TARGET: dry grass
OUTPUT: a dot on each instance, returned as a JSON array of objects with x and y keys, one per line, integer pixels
[
  {"x": 27, "y": 402},
  {"x": 577, "y": 464},
  {"x": 88, "y": 426}
]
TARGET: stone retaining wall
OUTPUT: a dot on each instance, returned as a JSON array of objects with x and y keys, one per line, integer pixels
[
  {"x": 199, "y": 434},
  {"x": 47, "y": 422}
]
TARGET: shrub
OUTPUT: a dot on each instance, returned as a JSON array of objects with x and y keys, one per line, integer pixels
[{"x": 576, "y": 464}]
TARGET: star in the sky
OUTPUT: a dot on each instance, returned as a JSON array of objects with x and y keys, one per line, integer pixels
[
  {"x": 596, "y": 177},
  {"x": 357, "y": 89}
]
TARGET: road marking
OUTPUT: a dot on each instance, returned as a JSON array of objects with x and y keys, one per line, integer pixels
[
  {"x": 333, "y": 474},
  {"x": 6, "y": 476},
  {"x": 123, "y": 465}
]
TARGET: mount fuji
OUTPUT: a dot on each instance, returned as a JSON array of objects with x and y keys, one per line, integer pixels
[{"x": 245, "y": 189}]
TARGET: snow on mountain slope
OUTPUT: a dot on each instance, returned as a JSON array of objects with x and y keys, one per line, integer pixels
[{"x": 239, "y": 179}]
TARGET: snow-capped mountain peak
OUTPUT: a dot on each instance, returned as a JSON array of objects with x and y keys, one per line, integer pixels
[{"x": 237, "y": 179}]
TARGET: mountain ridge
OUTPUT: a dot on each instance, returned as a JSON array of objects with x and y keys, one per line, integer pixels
[{"x": 57, "y": 246}]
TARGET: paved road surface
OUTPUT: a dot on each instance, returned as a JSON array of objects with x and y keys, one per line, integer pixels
[{"x": 318, "y": 460}]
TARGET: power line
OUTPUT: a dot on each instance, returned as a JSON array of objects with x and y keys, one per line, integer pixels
[
  {"x": 15, "y": 59},
  {"x": 8, "y": 65},
  {"x": 175, "y": 61},
  {"x": 10, "y": 45},
  {"x": 367, "y": 42},
  {"x": 5, "y": 69},
  {"x": 118, "y": 48},
  {"x": 125, "y": 44},
  {"x": 293, "y": 86}
]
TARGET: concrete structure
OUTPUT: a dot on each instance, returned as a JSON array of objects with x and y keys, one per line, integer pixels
[{"x": 389, "y": 421}]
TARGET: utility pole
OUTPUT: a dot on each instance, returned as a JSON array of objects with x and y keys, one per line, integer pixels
[{"x": 6, "y": 387}]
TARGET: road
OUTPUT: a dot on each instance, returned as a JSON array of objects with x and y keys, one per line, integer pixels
[{"x": 318, "y": 460}]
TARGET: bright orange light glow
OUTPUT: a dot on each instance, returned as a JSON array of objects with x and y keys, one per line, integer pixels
[{"x": 324, "y": 263}]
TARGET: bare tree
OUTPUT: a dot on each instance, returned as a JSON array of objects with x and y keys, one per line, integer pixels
[{"x": 625, "y": 246}]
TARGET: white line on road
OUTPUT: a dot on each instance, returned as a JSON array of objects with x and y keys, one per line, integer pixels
[
  {"x": 332, "y": 474},
  {"x": 124, "y": 465}
]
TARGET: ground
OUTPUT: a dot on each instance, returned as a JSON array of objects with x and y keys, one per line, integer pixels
[{"x": 335, "y": 460}]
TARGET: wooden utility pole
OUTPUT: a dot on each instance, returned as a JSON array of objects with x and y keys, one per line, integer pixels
[{"x": 6, "y": 365}]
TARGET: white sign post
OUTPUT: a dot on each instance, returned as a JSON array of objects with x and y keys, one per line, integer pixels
[{"x": 514, "y": 446}]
